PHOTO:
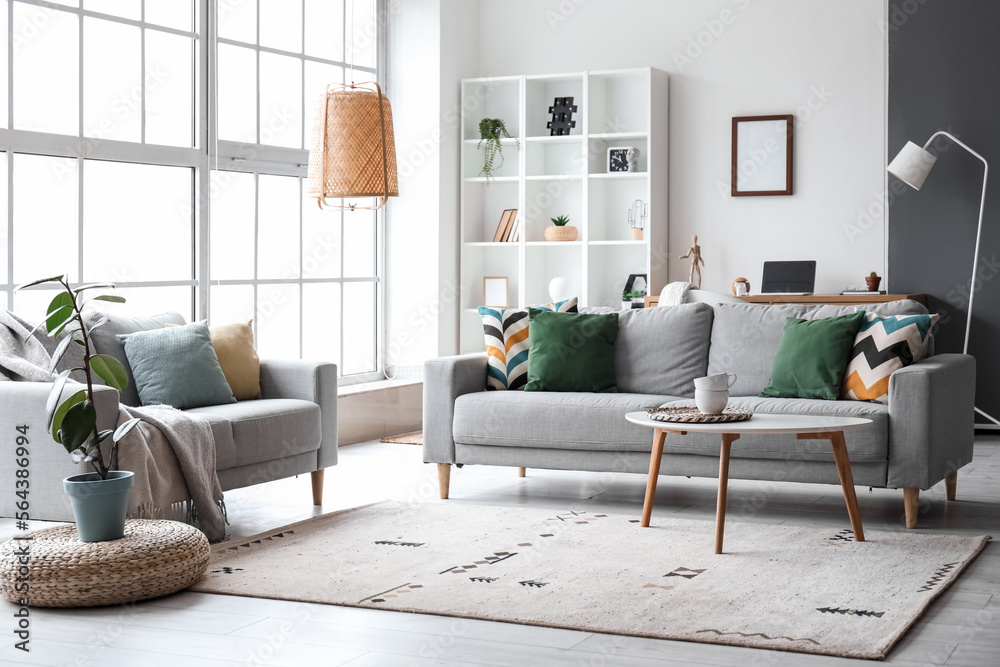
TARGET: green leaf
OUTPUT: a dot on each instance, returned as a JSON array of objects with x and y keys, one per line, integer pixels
[
  {"x": 99, "y": 323},
  {"x": 109, "y": 297},
  {"x": 82, "y": 288},
  {"x": 53, "y": 279},
  {"x": 57, "y": 421},
  {"x": 61, "y": 305},
  {"x": 124, "y": 429},
  {"x": 77, "y": 425},
  {"x": 110, "y": 370},
  {"x": 54, "y": 395}
]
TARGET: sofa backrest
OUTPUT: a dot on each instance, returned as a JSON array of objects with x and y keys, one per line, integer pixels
[
  {"x": 745, "y": 337},
  {"x": 662, "y": 350}
]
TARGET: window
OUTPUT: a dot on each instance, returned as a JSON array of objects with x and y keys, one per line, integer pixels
[{"x": 106, "y": 127}]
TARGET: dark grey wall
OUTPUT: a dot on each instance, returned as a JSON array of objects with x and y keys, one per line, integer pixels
[{"x": 944, "y": 73}]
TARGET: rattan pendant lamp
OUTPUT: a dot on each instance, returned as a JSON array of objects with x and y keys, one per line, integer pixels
[{"x": 353, "y": 153}]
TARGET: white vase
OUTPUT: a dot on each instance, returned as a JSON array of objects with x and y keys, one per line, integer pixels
[{"x": 560, "y": 288}]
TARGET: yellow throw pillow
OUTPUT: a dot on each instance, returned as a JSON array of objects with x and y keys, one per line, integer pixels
[{"x": 233, "y": 345}]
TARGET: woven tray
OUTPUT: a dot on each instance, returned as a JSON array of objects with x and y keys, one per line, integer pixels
[{"x": 695, "y": 416}]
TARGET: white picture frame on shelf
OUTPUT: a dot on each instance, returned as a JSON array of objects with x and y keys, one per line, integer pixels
[{"x": 495, "y": 291}]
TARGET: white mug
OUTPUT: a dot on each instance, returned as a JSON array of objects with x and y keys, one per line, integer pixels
[
  {"x": 715, "y": 382},
  {"x": 711, "y": 402}
]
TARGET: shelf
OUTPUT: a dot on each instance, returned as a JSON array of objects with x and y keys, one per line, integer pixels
[
  {"x": 502, "y": 141},
  {"x": 554, "y": 177},
  {"x": 620, "y": 175},
  {"x": 492, "y": 244},
  {"x": 553, "y": 243},
  {"x": 497, "y": 179},
  {"x": 557, "y": 139},
  {"x": 627, "y": 242},
  {"x": 619, "y": 136}
]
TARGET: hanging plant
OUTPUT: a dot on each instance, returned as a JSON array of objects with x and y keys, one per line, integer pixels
[{"x": 491, "y": 131}]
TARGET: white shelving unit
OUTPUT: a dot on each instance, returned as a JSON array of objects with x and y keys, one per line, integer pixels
[{"x": 563, "y": 175}]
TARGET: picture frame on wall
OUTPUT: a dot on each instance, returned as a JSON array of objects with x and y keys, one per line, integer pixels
[
  {"x": 762, "y": 155},
  {"x": 495, "y": 291}
]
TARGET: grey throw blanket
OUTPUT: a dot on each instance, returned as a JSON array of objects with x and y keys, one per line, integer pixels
[
  {"x": 172, "y": 454},
  {"x": 24, "y": 357}
]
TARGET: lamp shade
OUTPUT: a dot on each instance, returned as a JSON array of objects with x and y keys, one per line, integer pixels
[
  {"x": 353, "y": 153},
  {"x": 912, "y": 165}
]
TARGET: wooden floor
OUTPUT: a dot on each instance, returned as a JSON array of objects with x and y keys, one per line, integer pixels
[{"x": 962, "y": 627}]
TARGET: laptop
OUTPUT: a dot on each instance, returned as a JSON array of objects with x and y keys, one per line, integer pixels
[{"x": 797, "y": 277}]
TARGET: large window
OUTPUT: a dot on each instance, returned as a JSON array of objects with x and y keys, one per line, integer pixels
[{"x": 161, "y": 145}]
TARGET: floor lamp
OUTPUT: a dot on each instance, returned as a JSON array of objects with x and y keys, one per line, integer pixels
[{"x": 912, "y": 166}]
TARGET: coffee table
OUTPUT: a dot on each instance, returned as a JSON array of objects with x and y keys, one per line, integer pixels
[{"x": 805, "y": 427}]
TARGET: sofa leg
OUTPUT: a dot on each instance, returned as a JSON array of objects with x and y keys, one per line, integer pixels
[
  {"x": 521, "y": 472},
  {"x": 444, "y": 479},
  {"x": 317, "y": 484},
  {"x": 911, "y": 503},
  {"x": 950, "y": 482}
]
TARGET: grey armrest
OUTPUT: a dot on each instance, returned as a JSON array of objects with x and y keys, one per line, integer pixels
[
  {"x": 23, "y": 404},
  {"x": 446, "y": 379},
  {"x": 931, "y": 414},
  {"x": 308, "y": 381}
]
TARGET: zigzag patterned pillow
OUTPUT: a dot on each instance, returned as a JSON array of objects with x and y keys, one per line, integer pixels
[
  {"x": 507, "y": 342},
  {"x": 884, "y": 345}
]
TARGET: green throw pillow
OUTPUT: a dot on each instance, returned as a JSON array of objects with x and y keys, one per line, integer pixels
[
  {"x": 812, "y": 356},
  {"x": 176, "y": 366},
  {"x": 572, "y": 351}
]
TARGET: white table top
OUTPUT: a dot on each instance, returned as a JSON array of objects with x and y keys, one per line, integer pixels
[{"x": 759, "y": 423}]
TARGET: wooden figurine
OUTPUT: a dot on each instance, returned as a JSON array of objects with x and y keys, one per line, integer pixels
[{"x": 696, "y": 261}]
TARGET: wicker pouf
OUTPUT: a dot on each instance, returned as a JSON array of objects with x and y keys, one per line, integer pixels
[{"x": 154, "y": 558}]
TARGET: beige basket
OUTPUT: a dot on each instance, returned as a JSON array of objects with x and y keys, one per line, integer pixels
[
  {"x": 153, "y": 559},
  {"x": 564, "y": 233}
]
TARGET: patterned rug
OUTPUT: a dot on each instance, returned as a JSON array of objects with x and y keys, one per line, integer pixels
[
  {"x": 411, "y": 438},
  {"x": 811, "y": 590}
]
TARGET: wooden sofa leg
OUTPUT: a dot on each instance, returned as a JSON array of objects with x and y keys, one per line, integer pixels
[
  {"x": 317, "y": 484},
  {"x": 911, "y": 503},
  {"x": 444, "y": 479},
  {"x": 521, "y": 472},
  {"x": 950, "y": 482}
]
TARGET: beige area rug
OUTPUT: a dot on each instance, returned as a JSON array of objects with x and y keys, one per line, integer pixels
[
  {"x": 777, "y": 587},
  {"x": 411, "y": 438}
]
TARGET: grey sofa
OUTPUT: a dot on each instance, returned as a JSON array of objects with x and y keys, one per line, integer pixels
[
  {"x": 925, "y": 433},
  {"x": 290, "y": 431}
]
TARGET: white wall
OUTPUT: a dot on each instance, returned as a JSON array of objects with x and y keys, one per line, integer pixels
[
  {"x": 431, "y": 48},
  {"x": 734, "y": 58}
]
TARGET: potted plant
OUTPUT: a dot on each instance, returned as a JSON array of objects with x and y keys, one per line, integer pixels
[
  {"x": 491, "y": 132},
  {"x": 99, "y": 498},
  {"x": 873, "y": 281},
  {"x": 559, "y": 230},
  {"x": 629, "y": 299}
]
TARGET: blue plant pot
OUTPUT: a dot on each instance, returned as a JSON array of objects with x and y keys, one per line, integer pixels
[{"x": 99, "y": 505}]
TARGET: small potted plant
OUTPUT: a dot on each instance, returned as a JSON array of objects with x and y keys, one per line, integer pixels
[
  {"x": 99, "y": 498},
  {"x": 633, "y": 299},
  {"x": 491, "y": 132},
  {"x": 559, "y": 230},
  {"x": 873, "y": 281}
]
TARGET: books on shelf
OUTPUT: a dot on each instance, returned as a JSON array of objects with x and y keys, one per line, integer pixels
[
  {"x": 515, "y": 228},
  {"x": 506, "y": 228}
]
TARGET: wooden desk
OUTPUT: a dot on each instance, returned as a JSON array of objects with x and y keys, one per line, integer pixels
[{"x": 818, "y": 299}]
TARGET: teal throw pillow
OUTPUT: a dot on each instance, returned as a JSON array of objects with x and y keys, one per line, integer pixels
[
  {"x": 571, "y": 351},
  {"x": 176, "y": 366},
  {"x": 812, "y": 357}
]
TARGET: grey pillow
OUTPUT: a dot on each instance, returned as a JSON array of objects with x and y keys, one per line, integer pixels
[
  {"x": 177, "y": 367},
  {"x": 105, "y": 339}
]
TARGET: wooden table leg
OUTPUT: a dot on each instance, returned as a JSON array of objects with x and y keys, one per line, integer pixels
[
  {"x": 655, "y": 456},
  {"x": 847, "y": 482},
  {"x": 720, "y": 507}
]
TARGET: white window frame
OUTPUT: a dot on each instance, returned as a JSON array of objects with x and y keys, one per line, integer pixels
[{"x": 209, "y": 154}]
